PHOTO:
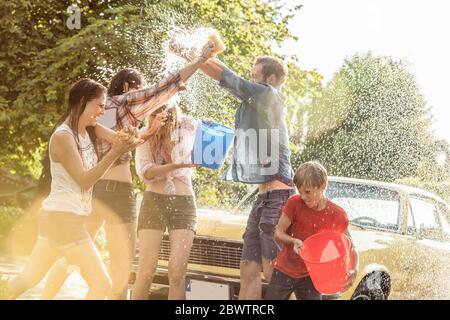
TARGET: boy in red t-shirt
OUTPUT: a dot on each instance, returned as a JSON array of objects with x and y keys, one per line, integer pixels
[{"x": 305, "y": 214}]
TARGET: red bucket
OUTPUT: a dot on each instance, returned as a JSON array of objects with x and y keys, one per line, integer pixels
[{"x": 326, "y": 256}]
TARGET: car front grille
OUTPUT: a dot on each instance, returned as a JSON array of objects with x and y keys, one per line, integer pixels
[{"x": 209, "y": 252}]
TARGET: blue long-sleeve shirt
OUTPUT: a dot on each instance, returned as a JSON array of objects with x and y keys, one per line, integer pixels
[{"x": 261, "y": 145}]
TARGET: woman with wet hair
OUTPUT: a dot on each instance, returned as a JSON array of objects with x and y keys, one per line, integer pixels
[
  {"x": 164, "y": 163},
  {"x": 128, "y": 103},
  {"x": 74, "y": 169}
]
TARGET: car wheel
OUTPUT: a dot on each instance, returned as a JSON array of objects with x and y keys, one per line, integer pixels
[{"x": 366, "y": 294}]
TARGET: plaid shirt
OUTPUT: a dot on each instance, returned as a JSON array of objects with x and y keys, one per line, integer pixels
[{"x": 132, "y": 108}]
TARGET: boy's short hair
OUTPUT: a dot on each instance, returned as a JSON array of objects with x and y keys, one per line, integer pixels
[
  {"x": 272, "y": 65},
  {"x": 311, "y": 174}
]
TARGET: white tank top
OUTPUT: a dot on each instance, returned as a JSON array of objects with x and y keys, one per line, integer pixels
[{"x": 65, "y": 194}]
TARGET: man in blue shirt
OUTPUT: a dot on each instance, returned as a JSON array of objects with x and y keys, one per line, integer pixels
[{"x": 261, "y": 156}]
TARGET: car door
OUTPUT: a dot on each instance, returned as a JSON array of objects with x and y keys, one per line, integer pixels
[{"x": 431, "y": 249}]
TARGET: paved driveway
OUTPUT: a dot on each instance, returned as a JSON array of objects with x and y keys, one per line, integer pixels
[{"x": 74, "y": 288}]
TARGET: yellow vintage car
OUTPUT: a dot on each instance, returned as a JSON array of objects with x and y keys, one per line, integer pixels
[{"x": 402, "y": 235}]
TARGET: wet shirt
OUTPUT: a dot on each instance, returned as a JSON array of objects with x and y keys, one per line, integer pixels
[
  {"x": 306, "y": 222},
  {"x": 261, "y": 118},
  {"x": 132, "y": 108},
  {"x": 147, "y": 158}
]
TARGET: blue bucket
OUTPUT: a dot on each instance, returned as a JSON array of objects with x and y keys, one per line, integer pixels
[{"x": 211, "y": 145}]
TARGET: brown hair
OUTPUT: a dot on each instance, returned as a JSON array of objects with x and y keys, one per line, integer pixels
[
  {"x": 131, "y": 76},
  {"x": 311, "y": 174},
  {"x": 83, "y": 91},
  {"x": 272, "y": 65}
]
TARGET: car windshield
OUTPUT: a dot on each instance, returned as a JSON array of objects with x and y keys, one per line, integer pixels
[{"x": 367, "y": 205}]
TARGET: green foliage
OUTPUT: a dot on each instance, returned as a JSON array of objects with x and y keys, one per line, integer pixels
[
  {"x": 301, "y": 87},
  {"x": 370, "y": 122},
  {"x": 212, "y": 191},
  {"x": 432, "y": 175}
]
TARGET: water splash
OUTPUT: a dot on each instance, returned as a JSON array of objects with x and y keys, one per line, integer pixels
[{"x": 201, "y": 89}]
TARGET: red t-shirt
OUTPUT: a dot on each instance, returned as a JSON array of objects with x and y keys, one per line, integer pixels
[{"x": 304, "y": 223}]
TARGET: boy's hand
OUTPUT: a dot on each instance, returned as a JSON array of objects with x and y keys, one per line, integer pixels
[
  {"x": 298, "y": 245},
  {"x": 351, "y": 275}
]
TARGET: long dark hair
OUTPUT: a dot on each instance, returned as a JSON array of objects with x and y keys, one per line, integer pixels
[
  {"x": 131, "y": 76},
  {"x": 83, "y": 91}
]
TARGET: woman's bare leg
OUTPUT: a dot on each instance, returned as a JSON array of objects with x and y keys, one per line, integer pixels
[
  {"x": 149, "y": 242},
  {"x": 180, "y": 248},
  {"x": 58, "y": 273},
  {"x": 42, "y": 257},
  {"x": 121, "y": 240},
  {"x": 92, "y": 269}
]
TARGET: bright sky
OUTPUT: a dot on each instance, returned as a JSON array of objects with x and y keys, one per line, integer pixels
[{"x": 411, "y": 30}]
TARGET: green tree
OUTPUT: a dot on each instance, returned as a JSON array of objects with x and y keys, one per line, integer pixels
[
  {"x": 370, "y": 122},
  {"x": 433, "y": 175},
  {"x": 302, "y": 86}
]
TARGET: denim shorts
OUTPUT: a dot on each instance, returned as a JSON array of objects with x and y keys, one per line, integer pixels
[
  {"x": 114, "y": 202},
  {"x": 64, "y": 230},
  {"x": 259, "y": 235},
  {"x": 160, "y": 211},
  {"x": 281, "y": 287}
]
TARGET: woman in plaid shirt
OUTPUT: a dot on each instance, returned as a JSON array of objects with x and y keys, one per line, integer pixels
[{"x": 114, "y": 201}]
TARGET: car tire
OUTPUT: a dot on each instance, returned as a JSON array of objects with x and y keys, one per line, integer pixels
[{"x": 366, "y": 294}]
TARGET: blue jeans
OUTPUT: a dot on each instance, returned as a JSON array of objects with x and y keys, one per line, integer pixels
[{"x": 259, "y": 235}]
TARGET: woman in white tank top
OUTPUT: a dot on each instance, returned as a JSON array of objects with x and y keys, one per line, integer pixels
[{"x": 74, "y": 170}]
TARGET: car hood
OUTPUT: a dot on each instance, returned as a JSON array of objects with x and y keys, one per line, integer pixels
[{"x": 221, "y": 224}]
